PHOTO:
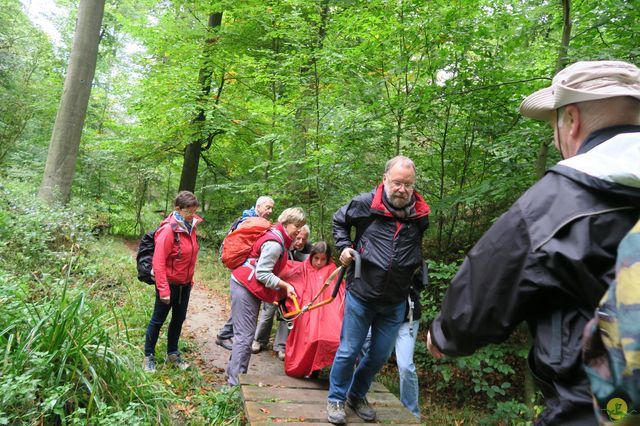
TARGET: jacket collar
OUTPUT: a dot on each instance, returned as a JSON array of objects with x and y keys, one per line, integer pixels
[
  {"x": 178, "y": 225},
  {"x": 286, "y": 239},
  {"x": 597, "y": 137}
]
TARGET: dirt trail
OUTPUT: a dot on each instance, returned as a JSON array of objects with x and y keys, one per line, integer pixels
[{"x": 208, "y": 311}]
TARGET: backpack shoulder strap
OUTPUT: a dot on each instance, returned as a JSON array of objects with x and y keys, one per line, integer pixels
[{"x": 176, "y": 237}]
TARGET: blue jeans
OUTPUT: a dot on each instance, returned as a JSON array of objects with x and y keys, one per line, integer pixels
[
  {"x": 385, "y": 321},
  {"x": 405, "y": 344},
  {"x": 179, "y": 304}
]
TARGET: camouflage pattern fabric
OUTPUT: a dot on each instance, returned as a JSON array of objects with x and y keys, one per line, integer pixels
[{"x": 612, "y": 341}]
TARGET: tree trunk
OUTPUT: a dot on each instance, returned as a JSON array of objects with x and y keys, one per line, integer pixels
[
  {"x": 561, "y": 62},
  {"x": 193, "y": 150},
  {"x": 541, "y": 167},
  {"x": 67, "y": 130}
]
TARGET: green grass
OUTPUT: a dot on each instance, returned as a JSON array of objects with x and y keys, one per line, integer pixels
[
  {"x": 68, "y": 335},
  {"x": 194, "y": 399},
  {"x": 61, "y": 361},
  {"x": 211, "y": 272}
]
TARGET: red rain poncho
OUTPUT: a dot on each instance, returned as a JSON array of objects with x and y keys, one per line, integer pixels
[{"x": 314, "y": 339}]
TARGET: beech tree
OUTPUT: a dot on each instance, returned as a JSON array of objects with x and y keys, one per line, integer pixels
[{"x": 67, "y": 131}]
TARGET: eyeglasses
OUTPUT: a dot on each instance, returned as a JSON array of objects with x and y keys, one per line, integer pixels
[
  {"x": 189, "y": 212},
  {"x": 397, "y": 185}
]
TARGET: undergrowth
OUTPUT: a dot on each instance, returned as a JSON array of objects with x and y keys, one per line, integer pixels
[{"x": 72, "y": 329}]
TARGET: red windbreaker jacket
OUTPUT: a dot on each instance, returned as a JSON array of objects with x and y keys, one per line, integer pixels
[{"x": 174, "y": 263}]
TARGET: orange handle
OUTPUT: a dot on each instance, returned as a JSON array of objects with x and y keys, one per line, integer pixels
[{"x": 292, "y": 313}]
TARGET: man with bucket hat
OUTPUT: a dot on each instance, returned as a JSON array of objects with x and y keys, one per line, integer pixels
[{"x": 549, "y": 259}]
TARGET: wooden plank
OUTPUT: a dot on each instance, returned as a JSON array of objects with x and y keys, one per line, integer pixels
[
  {"x": 258, "y": 412},
  {"x": 282, "y": 382},
  {"x": 269, "y": 394},
  {"x": 293, "y": 382}
]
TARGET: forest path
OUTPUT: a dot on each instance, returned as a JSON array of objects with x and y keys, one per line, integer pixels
[{"x": 208, "y": 311}]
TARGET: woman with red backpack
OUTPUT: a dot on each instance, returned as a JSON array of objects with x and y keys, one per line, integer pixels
[{"x": 257, "y": 280}]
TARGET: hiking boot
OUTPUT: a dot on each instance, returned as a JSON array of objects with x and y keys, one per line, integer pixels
[
  {"x": 281, "y": 355},
  {"x": 225, "y": 343},
  {"x": 362, "y": 408},
  {"x": 335, "y": 412},
  {"x": 149, "y": 364},
  {"x": 176, "y": 360},
  {"x": 256, "y": 347}
]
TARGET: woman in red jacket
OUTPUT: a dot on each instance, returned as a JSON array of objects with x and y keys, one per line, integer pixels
[
  {"x": 174, "y": 260},
  {"x": 256, "y": 280}
]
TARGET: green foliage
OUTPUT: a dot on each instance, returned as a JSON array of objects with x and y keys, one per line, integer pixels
[
  {"x": 221, "y": 408},
  {"x": 488, "y": 372},
  {"x": 29, "y": 85},
  {"x": 59, "y": 351},
  {"x": 440, "y": 275},
  {"x": 511, "y": 413},
  {"x": 308, "y": 99},
  {"x": 60, "y": 360}
]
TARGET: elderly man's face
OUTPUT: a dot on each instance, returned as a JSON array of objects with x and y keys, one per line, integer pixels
[
  {"x": 301, "y": 240},
  {"x": 265, "y": 209},
  {"x": 399, "y": 183}
]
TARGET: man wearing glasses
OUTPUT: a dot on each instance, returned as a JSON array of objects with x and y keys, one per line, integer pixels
[
  {"x": 549, "y": 259},
  {"x": 389, "y": 224}
]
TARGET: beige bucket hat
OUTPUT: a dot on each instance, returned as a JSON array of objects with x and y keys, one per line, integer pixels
[{"x": 581, "y": 82}]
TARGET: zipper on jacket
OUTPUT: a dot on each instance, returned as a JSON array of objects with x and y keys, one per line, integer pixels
[{"x": 193, "y": 253}]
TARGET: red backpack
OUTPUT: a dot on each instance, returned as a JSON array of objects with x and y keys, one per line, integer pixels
[{"x": 237, "y": 244}]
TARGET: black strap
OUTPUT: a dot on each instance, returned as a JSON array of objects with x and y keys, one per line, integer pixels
[{"x": 176, "y": 241}]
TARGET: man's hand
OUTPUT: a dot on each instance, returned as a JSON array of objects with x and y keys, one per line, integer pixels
[
  {"x": 165, "y": 300},
  {"x": 345, "y": 257},
  {"x": 432, "y": 348}
]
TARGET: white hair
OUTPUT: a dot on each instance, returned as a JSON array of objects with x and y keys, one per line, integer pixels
[
  {"x": 399, "y": 159},
  {"x": 263, "y": 199}
]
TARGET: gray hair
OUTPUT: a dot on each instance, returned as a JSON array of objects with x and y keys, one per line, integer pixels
[
  {"x": 402, "y": 160},
  {"x": 293, "y": 215},
  {"x": 306, "y": 229},
  {"x": 263, "y": 199}
]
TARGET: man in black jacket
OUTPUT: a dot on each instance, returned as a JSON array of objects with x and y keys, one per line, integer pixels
[
  {"x": 549, "y": 259},
  {"x": 389, "y": 224}
]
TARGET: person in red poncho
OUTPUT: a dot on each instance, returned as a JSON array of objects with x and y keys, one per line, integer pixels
[{"x": 314, "y": 339}]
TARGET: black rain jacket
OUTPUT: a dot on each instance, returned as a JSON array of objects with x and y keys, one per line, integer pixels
[
  {"x": 548, "y": 261},
  {"x": 390, "y": 248}
]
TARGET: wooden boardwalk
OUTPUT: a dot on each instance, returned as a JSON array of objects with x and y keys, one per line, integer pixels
[{"x": 270, "y": 399}]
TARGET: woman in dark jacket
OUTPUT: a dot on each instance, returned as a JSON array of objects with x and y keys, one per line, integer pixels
[{"x": 174, "y": 261}]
